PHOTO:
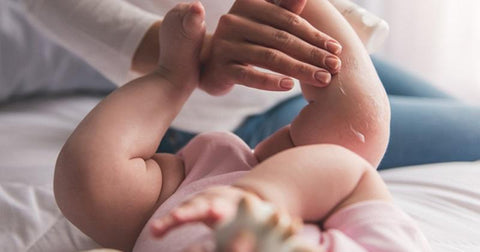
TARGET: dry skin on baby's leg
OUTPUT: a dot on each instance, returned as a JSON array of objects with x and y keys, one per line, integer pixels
[{"x": 353, "y": 111}]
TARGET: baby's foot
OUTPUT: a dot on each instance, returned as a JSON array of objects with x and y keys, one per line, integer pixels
[
  {"x": 181, "y": 38},
  {"x": 258, "y": 226}
]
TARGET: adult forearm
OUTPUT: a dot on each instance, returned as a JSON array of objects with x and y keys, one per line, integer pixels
[{"x": 307, "y": 181}]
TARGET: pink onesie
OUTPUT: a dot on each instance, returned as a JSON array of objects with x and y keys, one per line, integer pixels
[{"x": 221, "y": 158}]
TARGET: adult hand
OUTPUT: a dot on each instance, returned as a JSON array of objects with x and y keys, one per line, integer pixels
[{"x": 259, "y": 33}]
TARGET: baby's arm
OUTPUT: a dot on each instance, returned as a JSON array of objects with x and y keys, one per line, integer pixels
[
  {"x": 353, "y": 111},
  {"x": 108, "y": 178}
]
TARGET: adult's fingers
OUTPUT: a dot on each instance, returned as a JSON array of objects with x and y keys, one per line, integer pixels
[
  {"x": 282, "y": 19},
  {"x": 279, "y": 62},
  {"x": 251, "y": 77},
  {"x": 270, "y": 37}
]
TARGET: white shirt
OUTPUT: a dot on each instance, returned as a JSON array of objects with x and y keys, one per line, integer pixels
[{"x": 106, "y": 34}]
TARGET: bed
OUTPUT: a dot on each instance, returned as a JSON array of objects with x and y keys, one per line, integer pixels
[{"x": 443, "y": 198}]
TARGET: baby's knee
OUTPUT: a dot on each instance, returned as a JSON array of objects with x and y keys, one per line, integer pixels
[{"x": 363, "y": 129}]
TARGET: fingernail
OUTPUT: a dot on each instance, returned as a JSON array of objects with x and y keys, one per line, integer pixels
[
  {"x": 323, "y": 77},
  {"x": 286, "y": 84},
  {"x": 334, "y": 47},
  {"x": 333, "y": 62}
]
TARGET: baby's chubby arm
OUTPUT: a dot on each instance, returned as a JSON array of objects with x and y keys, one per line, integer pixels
[
  {"x": 108, "y": 178},
  {"x": 353, "y": 111}
]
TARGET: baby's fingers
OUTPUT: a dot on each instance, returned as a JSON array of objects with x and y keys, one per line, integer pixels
[
  {"x": 160, "y": 227},
  {"x": 197, "y": 210}
]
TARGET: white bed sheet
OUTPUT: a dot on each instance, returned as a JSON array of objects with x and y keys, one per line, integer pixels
[{"x": 443, "y": 198}]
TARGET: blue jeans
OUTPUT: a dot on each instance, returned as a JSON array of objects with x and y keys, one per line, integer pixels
[{"x": 427, "y": 126}]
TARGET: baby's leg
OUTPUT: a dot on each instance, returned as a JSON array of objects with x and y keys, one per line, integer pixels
[{"x": 353, "y": 111}]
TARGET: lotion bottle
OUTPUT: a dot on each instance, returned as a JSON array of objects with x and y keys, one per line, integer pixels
[{"x": 371, "y": 29}]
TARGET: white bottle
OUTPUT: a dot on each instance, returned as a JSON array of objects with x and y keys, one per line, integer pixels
[{"x": 371, "y": 29}]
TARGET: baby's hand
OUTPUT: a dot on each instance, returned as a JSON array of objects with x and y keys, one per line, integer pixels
[
  {"x": 243, "y": 222},
  {"x": 212, "y": 207},
  {"x": 181, "y": 38},
  {"x": 257, "y": 226}
]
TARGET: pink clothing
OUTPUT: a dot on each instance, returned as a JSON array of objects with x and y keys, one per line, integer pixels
[
  {"x": 373, "y": 226},
  {"x": 221, "y": 158},
  {"x": 210, "y": 159}
]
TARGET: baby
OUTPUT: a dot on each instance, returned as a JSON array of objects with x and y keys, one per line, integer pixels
[{"x": 111, "y": 184}]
